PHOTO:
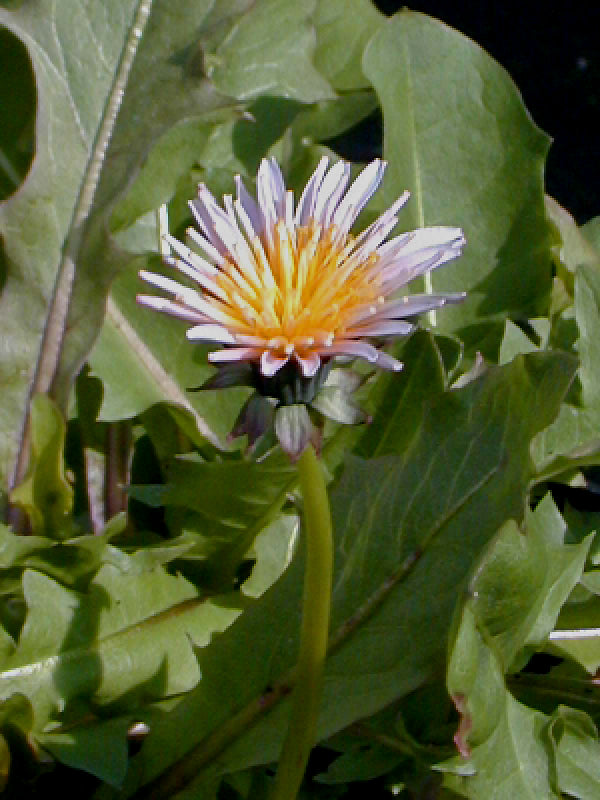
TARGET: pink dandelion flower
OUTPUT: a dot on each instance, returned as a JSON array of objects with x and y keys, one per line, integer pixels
[{"x": 281, "y": 283}]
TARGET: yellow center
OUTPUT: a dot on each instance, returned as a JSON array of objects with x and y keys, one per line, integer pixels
[{"x": 301, "y": 291}]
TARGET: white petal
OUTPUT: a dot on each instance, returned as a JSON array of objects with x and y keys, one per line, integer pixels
[
  {"x": 270, "y": 364},
  {"x": 309, "y": 365},
  {"x": 233, "y": 354},
  {"x": 416, "y": 304},
  {"x": 383, "y": 221},
  {"x": 383, "y": 327},
  {"x": 330, "y": 191},
  {"x": 363, "y": 187},
  {"x": 436, "y": 236},
  {"x": 405, "y": 268},
  {"x": 201, "y": 279},
  {"x": 210, "y": 333},
  {"x": 306, "y": 204},
  {"x": 203, "y": 216},
  {"x": 185, "y": 254},
  {"x": 203, "y": 243},
  {"x": 349, "y": 347},
  {"x": 385, "y": 361},
  {"x": 277, "y": 186},
  {"x": 169, "y": 307},
  {"x": 270, "y": 190},
  {"x": 189, "y": 297},
  {"x": 248, "y": 203}
]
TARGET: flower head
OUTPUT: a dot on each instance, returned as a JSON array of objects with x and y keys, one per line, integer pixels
[{"x": 291, "y": 285}]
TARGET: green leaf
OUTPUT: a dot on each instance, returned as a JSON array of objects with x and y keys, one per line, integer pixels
[
  {"x": 587, "y": 312},
  {"x": 74, "y": 85},
  {"x": 273, "y": 549},
  {"x": 524, "y": 581},
  {"x": 577, "y": 635},
  {"x": 399, "y": 525},
  {"x": 565, "y": 468},
  {"x": 514, "y": 342},
  {"x": 509, "y": 756},
  {"x": 516, "y": 594},
  {"x": 402, "y": 399},
  {"x": 577, "y": 752},
  {"x": 341, "y": 39},
  {"x": 575, "y": 432},
  {"x": 99, "y": 748},
  {"x": 127, "y": 638},
  {"x": 261, "y": 55},
  {"x": 575, "y": 249},
  {"x": 160, "y": 364},
  {"x": 45, "y": 494},
  {"x": 457, "y": 135},
  {"x": 362, "y": 763},
  {"x": 231, "y": 501}
]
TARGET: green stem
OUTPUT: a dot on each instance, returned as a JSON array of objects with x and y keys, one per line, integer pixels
[{"x": 306, "y": 695}]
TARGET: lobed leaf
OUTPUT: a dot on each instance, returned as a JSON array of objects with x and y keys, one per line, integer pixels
[{"x": 399, "y": 526}]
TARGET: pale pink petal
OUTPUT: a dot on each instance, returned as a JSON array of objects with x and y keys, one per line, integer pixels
[
  {"x": 210, "y": 333},
  {"x": 417, "y": 304},
  {"x": 349, "y": 347},
  {"x": 383, "y": 327},
  {"x": 173, "y": 309},
  {"x": 330, "y": 191},
  {"x": 245, "y": 203},
  {"x": 362, "y": 189},
  {"x": 270, "y": 363},
  {"x": 385, "y": 361},
  {"x": 308, "y": 364},
  {"x": 306, "y": 204},
  {"x": 234, "y": 354}
]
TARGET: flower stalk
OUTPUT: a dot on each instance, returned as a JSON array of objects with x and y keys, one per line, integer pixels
[{"x": 306, "y": 695}]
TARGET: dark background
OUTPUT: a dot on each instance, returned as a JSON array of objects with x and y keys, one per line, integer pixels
[{"x": 552, "y": 52}]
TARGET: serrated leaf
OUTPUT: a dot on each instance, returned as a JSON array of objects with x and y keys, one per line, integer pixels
[
  {"x": 575, "y": 248},
  {"x": 128, "y": 635},
  {"x": 524, "y": 581},
  {"x": 501, "y": 742},
  {"x": 514, "y": 342},
  {"x": 400, "y": 525},
  {"x": 100, "y": 748},
  {"x": 225, "y": 505},
  {"x": 480, "y": 170}
]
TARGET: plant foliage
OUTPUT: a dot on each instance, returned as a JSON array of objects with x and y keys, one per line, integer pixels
[{"x": 151, "y": 569}]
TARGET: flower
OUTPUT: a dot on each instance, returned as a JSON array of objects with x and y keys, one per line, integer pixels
[{"x": 292, "y": 286}]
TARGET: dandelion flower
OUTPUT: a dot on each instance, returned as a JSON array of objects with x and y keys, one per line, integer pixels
[{"x": 283, "y": 284}]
